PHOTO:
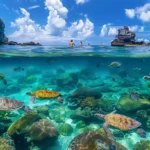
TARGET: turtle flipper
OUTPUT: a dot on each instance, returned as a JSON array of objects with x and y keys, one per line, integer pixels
[
  {"x": 107, "y": 130},
  {"x": 4, "y": 81}
]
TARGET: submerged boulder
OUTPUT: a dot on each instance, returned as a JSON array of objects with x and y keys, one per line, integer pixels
[{"x": 126, "y": 104}]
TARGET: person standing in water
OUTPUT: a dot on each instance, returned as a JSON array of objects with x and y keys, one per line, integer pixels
[
  {"x": 81, "y": 44},
  {"x": 71, "y": 43}
]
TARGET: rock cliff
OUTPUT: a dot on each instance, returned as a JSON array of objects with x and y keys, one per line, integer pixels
[{"x": 3, "y": 38}]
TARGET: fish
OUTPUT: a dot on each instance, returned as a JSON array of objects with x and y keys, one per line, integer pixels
[
  {"x": 146, "y": 77},
  {"x": 136, "y": 69},
  {"x": 141, "y": 132},
  {"x": 115, "y": 64},
  {"x": 134, "y": 96},
  {"x": 49, "y": 60},
  {"x": 60, "y": 99},
  {"x": 18, "y": 69},
  {"x": 32, "y": 99}
]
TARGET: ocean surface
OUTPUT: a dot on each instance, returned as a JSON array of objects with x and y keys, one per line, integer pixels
[{"x": 51, "y": 98}]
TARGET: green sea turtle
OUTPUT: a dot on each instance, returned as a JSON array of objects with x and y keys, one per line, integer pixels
[
  {"x": 2, "y": 77},
  {"x": 121, "y": 122},
  {"x": 45, "y": 94},
  {"x": 93, "y": 140},
  {"x": 11, "y": 104}
]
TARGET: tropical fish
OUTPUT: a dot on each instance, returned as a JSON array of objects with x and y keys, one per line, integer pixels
[
  {"x": 146, "y": 77},
  {"x": 18, "y": 69},
  {"x": 115, "y": 64}
]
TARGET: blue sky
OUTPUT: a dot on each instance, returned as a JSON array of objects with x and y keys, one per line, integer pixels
[{"x": 53, "y": 22}]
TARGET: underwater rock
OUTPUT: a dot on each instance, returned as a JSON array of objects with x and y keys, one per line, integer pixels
[
  {"x": 42, "y": 109},
  {"x": 66, "y": 129},
  {"x": 4, "y": 145},
  {"x": 94, "y": 141},
  {"x": 85, "y": 115},
  {"x": 22, "y": 124},
  {"x": 90, "y": 102},
  {"x": 3, "y": 38},
  {"x": 126, "y": 104},
  {"x": 86, "y": 92},
  {"x": 41, "y": 130},
  {"x": 142, "y": 145}
]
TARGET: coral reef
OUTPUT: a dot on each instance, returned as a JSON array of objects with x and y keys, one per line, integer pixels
[
  {"x": 126, "y": 104},
  {"x": 43, "y": 129},
  {"x": 66, "y": 129},
  {"x": 80, "y": 124},
  {"x": 142, "y": 145},
  {"x": 22, "y": 124},
  {"x": 4, "y": 145}
]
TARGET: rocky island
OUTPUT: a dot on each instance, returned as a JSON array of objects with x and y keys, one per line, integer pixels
[
  {"x": 4, "y": 40},
  {"x": 125, "y": 37}
]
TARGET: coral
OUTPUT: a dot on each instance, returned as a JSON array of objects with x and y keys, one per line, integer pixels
[
  {"x": 88, "y": 128},
  {"x": 4, "y": 145},
  {"x": 42, "y": 109},
  {"x": 106, "y": 105},
  {"x": 4, "y": 116},
  {"x": 66, "y": 129},
  {"x": 102, "y": 131},
  {"x": 42, "y": 129},
  {"x": 142, "y": 145},
  {"x": 126, "y": 104},
  {"x": 80, "y": 124},
  {"x": 89, "y": 102},
  {"x": 93, "y": 141},
  {"x": 22, "y": 124}
]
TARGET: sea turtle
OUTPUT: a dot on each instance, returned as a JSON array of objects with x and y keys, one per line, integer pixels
[
  {"x": 93, "y": 140},
  {"x": 115, "y": 64},
  {"x": 2, "y": 77},
  {"x": 45, "y": 94},
  {"x": 11, "y": 104},
  {"x": 122, "y": 122}
]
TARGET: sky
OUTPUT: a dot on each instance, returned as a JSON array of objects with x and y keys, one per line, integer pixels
[{"x": 56, "y": 22}]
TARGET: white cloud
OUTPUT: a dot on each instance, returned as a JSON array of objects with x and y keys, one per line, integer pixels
[
  {"x": 130, "y": 13},
  {"x": 55, "y": 31},
  {"x": 56, "y": 19},
  {"x": 81, "y": 29},
  {"x": 142, "y": 13},
  {"x": 133, "y": 28},
  {"x": 34, "y": 7},
  {"x": 104, "y": 30},
  {"x": 141, "y": 29},
  {"x": 113, "y": 31},
  {"x": 81, "y": 1},
  {"x": 145, "y": 40}
]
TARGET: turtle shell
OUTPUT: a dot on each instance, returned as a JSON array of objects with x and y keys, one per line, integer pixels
[
  {"x": 10, "y": 104},
  {"x": 93, "y": 140},
  {"x": 46, "y": 94},
  {"x": 122, "y": 122}
]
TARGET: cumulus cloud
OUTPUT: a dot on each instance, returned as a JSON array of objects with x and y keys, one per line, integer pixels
[
  {"x": 55, "y": 31},
  {"x": 104, "y": 30},
  {"x": 81, "y": 29},
  {"x": 145, "y": 40},
  {"x": 81, "y": 1},
  {"x": 34, "y": 7},
  {"x": 113, "y": 31},
  {"x": 56, "y": 19},
  {"x": 142, "y": 13},
  {"x": 109, "y": 30},
  {"x": 130, "y": 13}
]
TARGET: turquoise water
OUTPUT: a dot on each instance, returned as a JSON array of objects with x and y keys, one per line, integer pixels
[{"x": 88, "y": 84}]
